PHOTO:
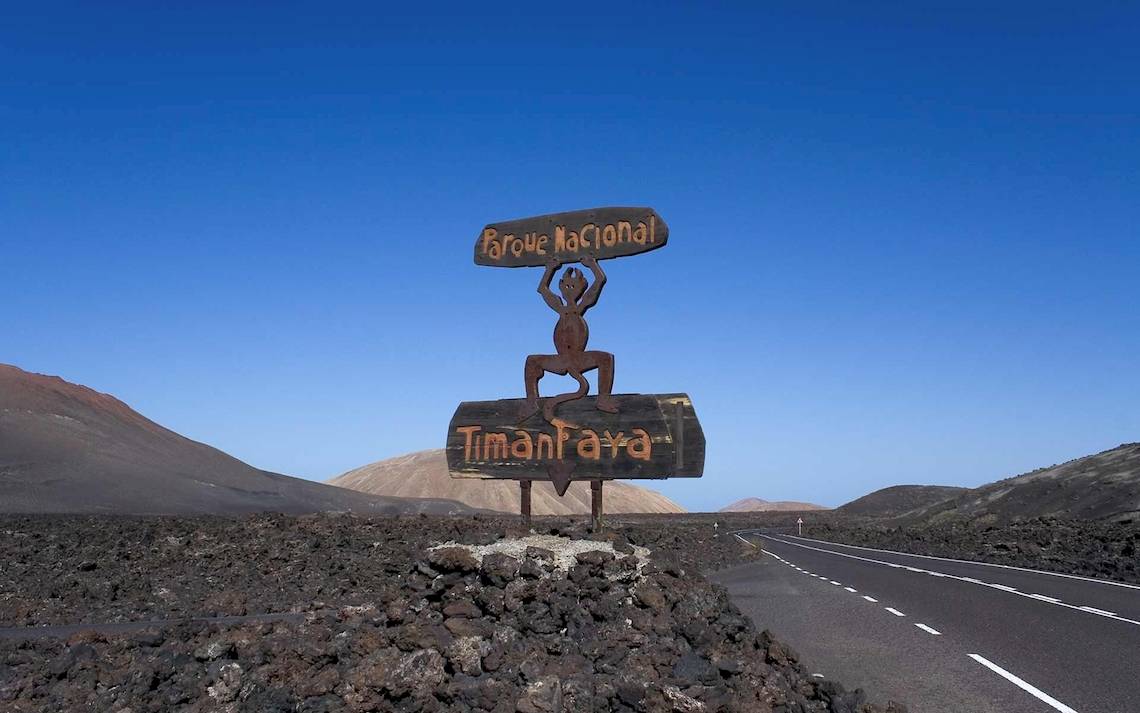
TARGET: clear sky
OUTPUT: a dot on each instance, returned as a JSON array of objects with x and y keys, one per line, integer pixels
[{"x": 904, "y": 241}]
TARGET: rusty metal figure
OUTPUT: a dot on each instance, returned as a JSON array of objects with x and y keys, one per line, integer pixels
[{"x": 570, "y": 337}]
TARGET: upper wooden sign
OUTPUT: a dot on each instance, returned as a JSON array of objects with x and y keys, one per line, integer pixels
[{"x": 566, "y": 237}]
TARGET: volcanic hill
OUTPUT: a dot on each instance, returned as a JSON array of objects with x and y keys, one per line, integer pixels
[
  {"x": 760, "y": 505},
  {"x": 65, "y": 448},
  {"x": 1099, "y": 486},
  {"x": 424, "y": 475},
  {"x": 899, "y": 500}
]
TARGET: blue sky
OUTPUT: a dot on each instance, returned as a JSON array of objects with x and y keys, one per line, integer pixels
[{"x": 904, "y": 241}]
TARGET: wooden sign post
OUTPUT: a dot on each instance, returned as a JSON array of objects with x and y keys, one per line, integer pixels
[{"x": 571, "y": 436}]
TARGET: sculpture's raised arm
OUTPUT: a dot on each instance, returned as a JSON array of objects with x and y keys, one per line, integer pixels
[
  {"x": 591, "y": 297},
  {"x": 551, "y": 299}
]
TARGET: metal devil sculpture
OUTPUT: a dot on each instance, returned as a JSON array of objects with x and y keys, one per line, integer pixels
[{"x": 572, "y": 436}]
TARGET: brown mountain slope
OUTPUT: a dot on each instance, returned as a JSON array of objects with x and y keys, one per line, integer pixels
[
  {"x": 898, "y": 500},
  {"x": 1102, "y": 485},
  {"x": 67, "y": 448},
  {"x": 424, "y": 474},
  {"x": 760, "y": 505}
]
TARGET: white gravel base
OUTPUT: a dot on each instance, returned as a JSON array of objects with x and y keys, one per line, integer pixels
[{"x": 565, "y": 549}]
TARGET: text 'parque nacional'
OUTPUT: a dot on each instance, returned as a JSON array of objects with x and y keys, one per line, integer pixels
[{"x": 602, "y": 233}]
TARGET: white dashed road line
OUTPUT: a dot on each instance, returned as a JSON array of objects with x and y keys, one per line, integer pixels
[
  {"x": 1094, "y": 610},
  {"x": 983, "y": 564},
  {"x": 1002, "y": 587},
  {"x": 892, "y": 610},
  {"x": 973, "y": 580},
  {"x": 1037, "y": 692},
  {"x": 930, "y": 630}
]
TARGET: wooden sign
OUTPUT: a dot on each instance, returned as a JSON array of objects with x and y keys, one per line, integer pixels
[
  {"x": 566, "y": 237},
  {"x": 650, "y": 436},
  {"x": 572, "y": 436}
]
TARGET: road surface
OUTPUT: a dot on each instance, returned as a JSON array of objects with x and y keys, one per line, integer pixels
[{"x": 946, "y": 635}]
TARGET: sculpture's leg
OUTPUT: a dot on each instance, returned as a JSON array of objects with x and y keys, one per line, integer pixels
[
  {"x": 604, "y": 362},
  {"x": 553, "y": 401},
  {"x": 536, "y": 367}
]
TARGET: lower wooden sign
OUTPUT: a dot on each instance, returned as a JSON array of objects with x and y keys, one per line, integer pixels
[{"x": 650, "y": 436}]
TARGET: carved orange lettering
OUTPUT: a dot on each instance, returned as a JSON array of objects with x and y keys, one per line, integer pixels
[
  {"x": 586, "y": 229},
  {"x": 624, "y": 231},
  {"x": 609, "y": 235},
  {"x": 517, "y": 248},
  {"x": 563, "y": 436},
  {"x": 495, "y": 446},
  {"x": 541, "y": 246},
  {"x": 589, "y": 446},
  {"x": 530, "y": 242},
  {"x": 488, "y": 240},
  {"x": 545, "y": 439},
  {"x": 523, "y": 446},
  {"x": 639, "y": 234},
  {"x": 652, "y": 229},
  {"x": 468, "y": 432},
  {"x": 614, "y": 442},
  {"x": 640, "y": 448},
  {"x": 559, "y": 238}
]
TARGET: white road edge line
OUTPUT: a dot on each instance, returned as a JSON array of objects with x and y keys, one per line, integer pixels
[
  {"x": 743, "y": 540},
  {"x": 1033, "y": 690},
  {"x": 984, "y": 564},
  {"x": 853, "y": 591},
  {"x": 894, "y": 611},
  {"x": 1042, "y": 597},
  {"x": 1087, "y": 610},
  {"x": 836, "y": 583},
  {"x": 928, "y": 630},
  {"x": 871, "y": 599}
]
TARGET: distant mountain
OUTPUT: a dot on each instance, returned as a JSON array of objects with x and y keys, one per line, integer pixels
[
  {"x": 899, "y": 500},
  {"x": 424, "y": 474},
  {"x": 758, "y": 505},
  {"x": 1099, "y": 486},
  {"x": 65, "y": 448}
]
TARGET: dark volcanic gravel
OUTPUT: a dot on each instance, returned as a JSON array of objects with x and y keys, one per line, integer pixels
[{"x": 388, "y": 623}]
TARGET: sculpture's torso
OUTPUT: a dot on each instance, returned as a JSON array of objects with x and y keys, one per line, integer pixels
[{"x": 571, "y": 333}]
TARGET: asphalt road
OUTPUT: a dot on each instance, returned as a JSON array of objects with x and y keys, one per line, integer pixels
[{"x": 945, "y": 635}]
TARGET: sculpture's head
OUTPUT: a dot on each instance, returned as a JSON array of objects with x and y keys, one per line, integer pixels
[{"x": 572, "y": 284}]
